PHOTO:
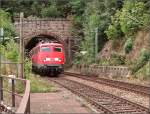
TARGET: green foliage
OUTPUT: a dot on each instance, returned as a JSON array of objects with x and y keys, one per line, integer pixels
[
  {"x": 113, "y": 31},
  {"x": 130, "y": 18},
  {"x": 144, "y": 72},
  {"x": 133, "y": 16},
  {"x": 77, "y": 7},
  {"x": 128, "y": 45},
  {"x": 27, "y": 67},
  {"x": 50, "y": 11},
  {"x": 5, "y": 20},
  {"x": 141, "y": 61},
  {"x": 117, "y": 59},
  {"x": 104, "y": 62},
  {"x": 19, "y": 87},
  {"x": 39, "y": 85},
  {"x": 9, "y": 52},
  {"x": 5, "y": 23},
  {"x": 97, "y": 14}
]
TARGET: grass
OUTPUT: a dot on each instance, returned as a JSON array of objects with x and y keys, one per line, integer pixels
[
  {"x": 143, "y": 73},
  {"x": 40, "y": 85},
  {"x": 37, "y": 84}
]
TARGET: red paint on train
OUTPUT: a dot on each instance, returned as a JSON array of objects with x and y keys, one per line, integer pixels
[{"x": 48, "y": 58}]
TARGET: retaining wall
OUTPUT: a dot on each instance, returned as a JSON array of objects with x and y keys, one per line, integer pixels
[{"x": 120, "y": 71}]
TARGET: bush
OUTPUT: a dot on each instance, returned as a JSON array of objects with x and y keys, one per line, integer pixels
[
  {"x": 143, "y": 73},
  {"x": 117, "y": 59},
  {"x": 133, "y": 16},
  {"x": 50, "y": 11},
  {"x": 128, "y": 20},
  {"x": 128, "y": 45},
  {"x": 5, "y": 23},
  {"x": 9, "y": 52},
  {"x": 103, "y": 61},
  {"x": 141, "y": 61},
  {"x": 27, "y": 67},
  {"x": 113, "y": 31}
]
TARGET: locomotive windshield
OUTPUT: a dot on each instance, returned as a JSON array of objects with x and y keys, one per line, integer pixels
[
  {"x": 57, "y": 49},
  {"x": 45, "y": 49}
]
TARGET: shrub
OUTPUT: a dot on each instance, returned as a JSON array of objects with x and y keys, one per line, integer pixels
[
  {"x": 133, "y": 16},
  {"x": 27, "y": 67},
  {"x": 128, "y": 20},
  {"x": 50, "y": 11},
  {"x": 141, "y": 61},
  {"x": 9, "y": 52},
  {"x": 143, "y": 73},
  {"x": 113, "y": 31},
  {"x": 128, "y": 45},
  {"x": 117, "y": 59}
]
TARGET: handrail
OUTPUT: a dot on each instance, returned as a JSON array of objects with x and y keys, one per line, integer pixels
[{"x": 24, "y": 107}]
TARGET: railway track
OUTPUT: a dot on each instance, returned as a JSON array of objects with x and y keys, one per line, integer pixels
[
  {"x": 139, "y": 89},
  {"x": 105, "y": 103}
]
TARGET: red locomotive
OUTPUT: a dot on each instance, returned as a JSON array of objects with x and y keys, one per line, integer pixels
[{"x": 47, "y": 58}]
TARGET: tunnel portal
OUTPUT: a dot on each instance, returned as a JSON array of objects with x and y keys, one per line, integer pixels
[{"x": 40, "y": 38}]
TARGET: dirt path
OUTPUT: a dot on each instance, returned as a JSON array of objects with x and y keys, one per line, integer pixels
[{"x": 61, "y": 101}]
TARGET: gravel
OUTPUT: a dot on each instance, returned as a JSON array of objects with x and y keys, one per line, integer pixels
[{"x": 139, "y": 99}]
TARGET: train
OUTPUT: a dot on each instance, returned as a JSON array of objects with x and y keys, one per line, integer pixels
[{"x": 48, "y": 58}]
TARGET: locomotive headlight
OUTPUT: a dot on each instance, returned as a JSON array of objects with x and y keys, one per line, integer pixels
[
  {"x": 47, "y": 59},
  {"x": 57, "y": 59}
]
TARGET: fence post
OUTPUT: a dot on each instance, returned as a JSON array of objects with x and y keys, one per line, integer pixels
[
  {"x": 28, "y": 107},
  {"x": 1, "y": 88},
  {"x": 13, "y": 92}
]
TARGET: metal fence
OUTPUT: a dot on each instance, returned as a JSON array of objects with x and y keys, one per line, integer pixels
[{"x": 12, "y": 100}]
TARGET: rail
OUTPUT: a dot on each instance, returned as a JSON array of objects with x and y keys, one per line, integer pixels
[{"x": 24, "y": 104}]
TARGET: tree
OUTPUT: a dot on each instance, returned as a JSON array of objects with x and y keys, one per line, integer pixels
[{"x": 5, "y": 23}]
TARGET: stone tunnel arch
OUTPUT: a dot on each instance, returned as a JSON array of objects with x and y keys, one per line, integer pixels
[
  {"x": 30, "y": 43},
  {"x": 56, "y": 27},
  {"x": 33, "y": 40}
]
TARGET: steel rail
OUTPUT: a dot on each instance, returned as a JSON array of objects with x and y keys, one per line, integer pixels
[
  {"x": 139, "y": 89},
  {"x": 106, "y": 102}
]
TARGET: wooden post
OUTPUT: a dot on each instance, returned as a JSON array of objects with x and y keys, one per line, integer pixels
[
  {"x": 1, "y": 88},
  {"x": 13, "y": 92},
  {"x": 21, "y": 47},
  {"x": 28, "y": 106},
  {"x": 1, "y": 79}
]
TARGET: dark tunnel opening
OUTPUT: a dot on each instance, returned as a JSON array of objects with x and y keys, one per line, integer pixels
[{"x": 40, "y": 38}]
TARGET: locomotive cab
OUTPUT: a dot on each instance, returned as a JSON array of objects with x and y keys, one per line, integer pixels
[{"x": 48, "y": 58}]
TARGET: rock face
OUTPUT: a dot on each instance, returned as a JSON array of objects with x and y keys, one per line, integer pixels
[
  {"x": 141, "y": 41},
  {"x": 106, "y": 51}
]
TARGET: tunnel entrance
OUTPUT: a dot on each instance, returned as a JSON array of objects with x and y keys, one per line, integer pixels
[
  {"x": 40, "y": 38},
  {"x": 29, "y": 44}
]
